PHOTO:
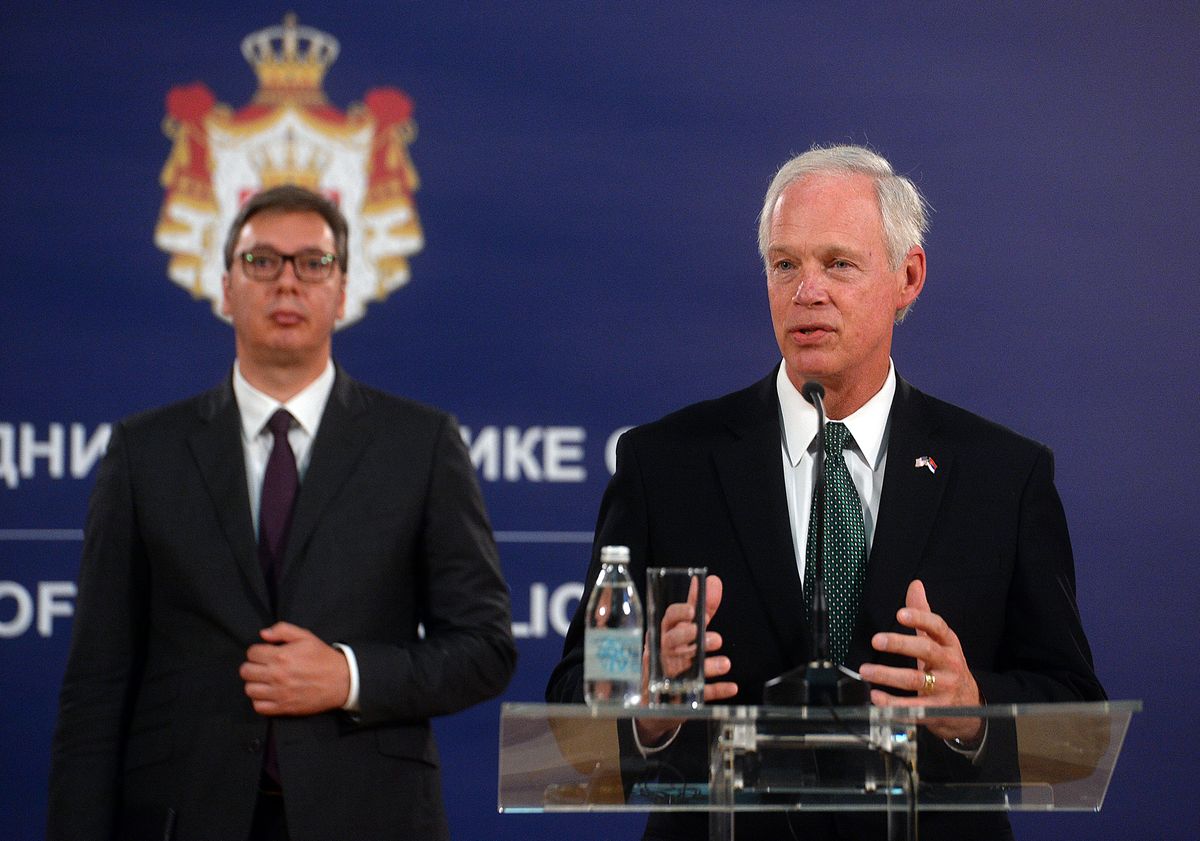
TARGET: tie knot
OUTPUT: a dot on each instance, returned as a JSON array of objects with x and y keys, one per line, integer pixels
[
  {"x": 280, "y": 423},
  {"x": 837, "y": 437}
]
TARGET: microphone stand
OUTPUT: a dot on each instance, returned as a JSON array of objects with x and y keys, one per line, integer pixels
[{"x": 820, "y": 682}]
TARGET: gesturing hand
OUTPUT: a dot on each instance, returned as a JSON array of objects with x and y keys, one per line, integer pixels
[
  {"x": 938, "y": 653},
  {"x": 652, "y": 731},
  {"x": 294, "y": 673}
]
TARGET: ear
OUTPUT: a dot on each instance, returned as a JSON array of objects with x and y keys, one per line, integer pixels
[
  {"x": 341, "y": 310},
  {"x": 225, "y": 309},
  {"x": 911, "y": 277}
]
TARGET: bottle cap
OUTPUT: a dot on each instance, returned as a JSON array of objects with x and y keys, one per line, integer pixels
[{"x": 614, "y": 554}]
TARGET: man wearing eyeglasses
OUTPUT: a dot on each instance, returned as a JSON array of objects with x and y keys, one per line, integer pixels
[{"x": 283, "y": 580}]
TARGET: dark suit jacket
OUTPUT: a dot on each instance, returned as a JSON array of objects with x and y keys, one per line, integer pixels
[
  {"x": 156, "y": 737},
  {"x": 985, "y": 533}
]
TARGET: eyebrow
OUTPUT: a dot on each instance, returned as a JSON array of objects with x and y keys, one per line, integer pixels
[
  {"x": 278, "y": 250},
  {"x": 822, "y": 250}
]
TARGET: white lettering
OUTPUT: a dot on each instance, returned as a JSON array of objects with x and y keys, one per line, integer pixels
[
  {"x": 22, "y": 619},
  {"x": 536, "y": 626},
  {"x": 85, "y": 451},
  {"x": 50, "y": 605},
  {"x": 558, "y": 608},
  {"x": 610, "y": 449},
  {"x": 561, "y": 606},
  {"x": 564, "y": 445},
  {"x": 518, "y": 453},
  {"x": 532, "y": 454},
  {"x": 8, "y": 456},
  {"x": 485, "y": 451},
  {"x": 52, "y": 449}
]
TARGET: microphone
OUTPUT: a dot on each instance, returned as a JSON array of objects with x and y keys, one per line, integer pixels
[
  {"x": 821, "y": 681},
  {"x": 814, "y": 393}
]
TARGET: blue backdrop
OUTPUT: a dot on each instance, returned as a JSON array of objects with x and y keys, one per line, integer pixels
[{"x": 591, "y": 174}]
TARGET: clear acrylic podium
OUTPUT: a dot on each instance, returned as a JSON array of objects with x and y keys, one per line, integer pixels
[{"x": 730, "y": 760}]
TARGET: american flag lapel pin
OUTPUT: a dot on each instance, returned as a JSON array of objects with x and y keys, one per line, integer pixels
[{"x": 926, "y": 461}]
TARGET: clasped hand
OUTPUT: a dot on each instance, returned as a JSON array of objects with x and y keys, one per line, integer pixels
[{"x": 293, "y": 672}]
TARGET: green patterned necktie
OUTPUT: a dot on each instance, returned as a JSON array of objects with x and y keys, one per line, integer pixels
[{"x": 845, "y": 544}]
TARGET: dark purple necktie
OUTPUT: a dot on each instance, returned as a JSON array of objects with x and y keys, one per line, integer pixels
[
  {"x": 278, "y": 499},
  {"x": 274, "y": 519}
]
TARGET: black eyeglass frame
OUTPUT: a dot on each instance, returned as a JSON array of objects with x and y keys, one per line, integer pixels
[{"x": 328, "y": 261}]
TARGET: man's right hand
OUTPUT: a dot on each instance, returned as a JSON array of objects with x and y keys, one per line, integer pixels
[{"x": 652, "y": 732}]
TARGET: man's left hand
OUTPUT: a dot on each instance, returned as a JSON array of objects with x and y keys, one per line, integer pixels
[
  {"x": 939, "y": 653},
  {"x": 293, "y": 672}
]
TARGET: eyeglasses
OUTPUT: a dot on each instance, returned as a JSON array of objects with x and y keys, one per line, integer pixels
[{"x": 312, "y": 265}]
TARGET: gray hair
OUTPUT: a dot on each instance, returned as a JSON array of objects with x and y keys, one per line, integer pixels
[{"x": 902, "y": 208}]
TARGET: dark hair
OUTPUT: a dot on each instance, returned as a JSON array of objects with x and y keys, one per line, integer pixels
[{"x": 291, "y": 199}]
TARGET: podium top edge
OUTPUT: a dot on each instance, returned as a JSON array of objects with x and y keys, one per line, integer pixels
[{"x": 722, "y": 712}]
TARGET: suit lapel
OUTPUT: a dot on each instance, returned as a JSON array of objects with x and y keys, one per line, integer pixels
[
  {"x": 907, "y": 510},
  {"x": 339, "y": 445},
  {"x": 750, "y": 473},
  {"x": 217, "y": 448}
]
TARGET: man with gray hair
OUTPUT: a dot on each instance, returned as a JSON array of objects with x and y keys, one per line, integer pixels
[{"x": 947, "y": 561}]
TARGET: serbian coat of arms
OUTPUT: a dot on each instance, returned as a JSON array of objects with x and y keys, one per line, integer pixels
[{"x": 290, "y": 134}]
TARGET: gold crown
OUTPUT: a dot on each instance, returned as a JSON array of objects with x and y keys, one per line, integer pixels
[
  {"x": 290, "y": 170},
  {"x": 290, "y": 61}
]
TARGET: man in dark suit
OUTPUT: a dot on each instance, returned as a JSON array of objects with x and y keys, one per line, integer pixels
[
  {"x": 962, "y": 587},
  {"x": 283, "y": 580}
]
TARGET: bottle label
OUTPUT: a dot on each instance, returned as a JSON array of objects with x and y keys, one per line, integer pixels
[{"x": 612, "y": 654}]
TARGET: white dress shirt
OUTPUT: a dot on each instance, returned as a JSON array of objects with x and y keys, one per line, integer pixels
[
  {"x": 866, "y": 460},
  {"x": 306, "y": 407},
  {"x": 256, "y": 409}
]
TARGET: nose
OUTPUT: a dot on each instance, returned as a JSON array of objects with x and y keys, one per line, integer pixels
[
  {"x": 809, "y": 291},
  {"x": 287, "y": 275}
]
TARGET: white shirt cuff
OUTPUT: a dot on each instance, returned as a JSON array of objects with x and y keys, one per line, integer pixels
[
  {"x": 974, "y": 753},
  {"x": 648, "y": 751},
  {"x": 351, "y": 704}
]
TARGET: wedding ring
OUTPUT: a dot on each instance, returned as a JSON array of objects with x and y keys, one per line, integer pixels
[{"x": 930, "y": 680}]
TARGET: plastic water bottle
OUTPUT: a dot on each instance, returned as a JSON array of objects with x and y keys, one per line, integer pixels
[{"x": 612, "y": 639}]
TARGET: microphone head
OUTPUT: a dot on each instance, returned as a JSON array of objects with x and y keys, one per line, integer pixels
[{"x": 811, "y": 388}]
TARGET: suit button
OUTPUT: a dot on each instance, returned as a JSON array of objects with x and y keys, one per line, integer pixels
[{"x": 254, "y": 746}]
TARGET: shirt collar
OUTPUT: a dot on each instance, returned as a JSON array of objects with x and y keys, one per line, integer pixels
[
  {"x": 868, "y": 425},
  {"x": 306, "y": 406}
]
